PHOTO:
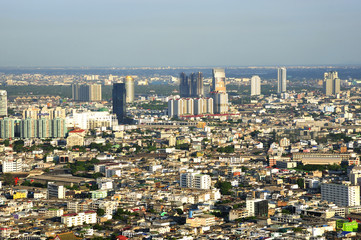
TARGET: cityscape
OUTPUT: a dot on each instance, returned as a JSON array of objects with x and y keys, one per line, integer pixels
[{"x": 161, "y": 120}]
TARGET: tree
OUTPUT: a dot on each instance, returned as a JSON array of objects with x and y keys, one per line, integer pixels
[
  {"x": 224, "y": 187},
  {"x": 100, "y": 212},
  {"x": 301, "y": 183},
  {"x": 8, "y": 179}
]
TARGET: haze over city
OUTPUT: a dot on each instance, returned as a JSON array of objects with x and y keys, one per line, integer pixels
[{"x": 179, "y": 33}]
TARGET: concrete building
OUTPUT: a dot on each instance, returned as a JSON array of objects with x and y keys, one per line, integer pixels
[
  {"x": 190, "y": 106},
  {"x": 257, "y": 207},
  {"x": 79, "y": 219},
  {"x": 87, "y": 92},
  {"x": 341, "y": 194},
  {"x": 255, "y": 85},
  {"x": 12, "y": 165},
  {"x": 56, "y": 191},
  {"x": 129, "y": 88},
  {"x": 220, "y": 102},
  {"x": 3, "y": 103},
  {"x": 7, "y": 128},
  {"x": 195, "y": 180},
  {"x": 331, "y": 83},
  {"x": 281, "y": 80},
  {"x": 218, "y": 80}
]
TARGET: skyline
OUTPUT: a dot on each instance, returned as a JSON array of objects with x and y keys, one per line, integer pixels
[{"x": 158, "y": 33}]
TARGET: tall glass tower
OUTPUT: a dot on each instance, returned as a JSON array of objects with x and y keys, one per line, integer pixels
[{"x": 119, "y": 101}]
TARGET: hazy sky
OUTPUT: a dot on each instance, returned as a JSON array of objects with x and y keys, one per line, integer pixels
[{"x": 179, "y": 32}]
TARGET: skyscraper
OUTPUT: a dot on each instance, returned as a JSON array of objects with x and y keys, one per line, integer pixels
[
  {"x": 129, "y": 86},
  {"x": 219, "y": 80},
  {"x": 3, "y": 103},
  {"x": 119, "y": 101},
  {"x": 196, "y": 85},
  {"x": 282, "y": 80},
  {"x": 191, "y": 86},
  {"x": 255, "y": 85},
  {"x": 331, "y": 83}
]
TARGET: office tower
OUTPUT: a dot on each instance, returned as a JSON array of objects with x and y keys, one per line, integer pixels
[
  {"x": 197, "y": 85},
  {"x": 119, "y": 101},
  {"x": 206, "y": 90},
  {"x": 7, "y": 128},
  {"x": 195, "y": 180},
  {"x": 3, "y": 103},
  {"x": 219, "y": 80},
  {"x": 342, "y": 195},
  {"x": 220, "y": 102},
  {"x": 255, "y": 85},
  {"x": 331, "y": 83},
  {"x": 282, "y": 80},
  {"x": 87, "y": 92},
  {"x": 257, "y": 207},
  {"x": 129, "y": 86}
]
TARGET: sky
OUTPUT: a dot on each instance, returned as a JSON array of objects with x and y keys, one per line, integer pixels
[{"x": 125, "y": 33}]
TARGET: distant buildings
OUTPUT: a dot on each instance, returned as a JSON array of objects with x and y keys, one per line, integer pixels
[
  {"x": 55, "y": 191},
  {"x": 331, "y": 83},
  {"x": 282, "y": 80},
  {"x": 255, "y": 85},
  {"x": 3, "y": 103},
  {"x": 79, "y": 219},
  {"x": 220, "y": 102},
  {"x": 91, "y": 120},
  {"x": 7, "y": 128},
  {"x": 119, "y": 101},
  {"x": 341, "y": 194},
  {"x": 87, "y": 92},
  {"x": 219, "y": 94},
  {"x": 129, "y": 87},
  {"x": 191, "y": 86},
  {"x": 43, "y": 128}
]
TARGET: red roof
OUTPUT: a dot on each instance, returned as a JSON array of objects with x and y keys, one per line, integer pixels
[
  {"x": 77, "y": 131},
  {"x": 121, "y": 237}
]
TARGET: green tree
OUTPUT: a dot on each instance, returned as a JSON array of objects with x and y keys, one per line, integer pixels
[
  {"x": 100, "y": 212},
  {"x": 224, "y": 187},
  {"x": 301, "y": 183},
  {"x": 8, "y": 179}
]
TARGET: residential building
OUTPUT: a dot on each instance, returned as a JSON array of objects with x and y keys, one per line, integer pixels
[
  {"x": 341, "y": 194},
  {"x": 129, "y": 89},
  {"x": 56, "y": 191},
  {"x": 3, "y": 103},
  {"x": 79, "y": 219},
  {"x": 195, "y": 180},
  {"x": 218, "y": 80},
  {"x": 331, "y": 83},
  {"x": 257, "y": 207}
]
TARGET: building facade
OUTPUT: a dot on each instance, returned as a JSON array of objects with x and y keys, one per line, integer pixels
[
  {"x": 255, "y": 86},
  {"x": 331, "y": 83},
  {"x": 119, "y": 101},
  {"x": 341, "y": 194},
  {"x": 3, "y": 103},
  {"x": 129, "y": 88},
  {"x": 281, "y": 80}
]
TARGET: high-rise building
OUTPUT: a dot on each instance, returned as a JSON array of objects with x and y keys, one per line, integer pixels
[
  {"x": 119, "y": 101},
  {"x": 220, "y": 102},
  {"x": 191, "y": 86},
  {"x": 55, "y": 191},
  {"x": 342, "y": 195},
  {"x": 190, "y": 106},
  {"x": 87, "y": 92},
  {"x": 219, "y": 80},
  {"x": 196, "y": 85},
  {"x": 282, "y": 80},
  {"x": 129, "y": 86},
  {"x": 3, "y": 103},
  {"x": 255, "y": 85},
  {"x": 7, "y": 128},
  {"x": 331, "y": 83}
]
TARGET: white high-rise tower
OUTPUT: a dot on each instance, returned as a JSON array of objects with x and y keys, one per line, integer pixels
[
  {"x": 282, "y": 80},
  {"x": 255, "y": 85},
  {"x": 3, "y": 103}
]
